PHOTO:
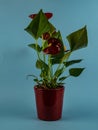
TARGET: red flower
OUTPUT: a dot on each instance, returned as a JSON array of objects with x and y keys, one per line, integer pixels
[
  {"x": 48, "y": 15},
  {"x": 46, "y": 36},
  {"x": 54, "y": 41},
  {"x": 54, "y": 46}
]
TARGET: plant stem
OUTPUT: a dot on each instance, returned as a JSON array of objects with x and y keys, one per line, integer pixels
[
  {"x": 57, "y": 70},
  {"x": 36, "y": 49},
  {"x": 44, "y": 58},
  {"x": 50, "y": 68}
]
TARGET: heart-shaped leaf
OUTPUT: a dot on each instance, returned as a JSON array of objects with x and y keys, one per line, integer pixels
[
  {"x": 39, "y": 25},
  {"x": 78, "y": 39},
  {"x": 58, "y": 72},
  {"x": 35, "y": 47},
  {"x": 76, "y": 71},
  {"x": 68, "y": 63}
]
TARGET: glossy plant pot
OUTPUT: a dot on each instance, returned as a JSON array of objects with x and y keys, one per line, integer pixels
[{"x": 49, "y": 103}]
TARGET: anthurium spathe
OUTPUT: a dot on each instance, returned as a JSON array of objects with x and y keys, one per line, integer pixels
[
  {"x": 48, "y": 15},
  {"x": 52, "y": 53},
  {"x": 54, "y": 46}
]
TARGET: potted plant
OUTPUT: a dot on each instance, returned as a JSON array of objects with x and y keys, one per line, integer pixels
[{"x": 52, "y": 61}]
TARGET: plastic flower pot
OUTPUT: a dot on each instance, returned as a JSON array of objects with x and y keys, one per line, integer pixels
[{"x": 49, "y": 103}]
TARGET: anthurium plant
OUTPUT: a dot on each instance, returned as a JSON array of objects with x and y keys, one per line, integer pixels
[{"x": 52, "y": 55}]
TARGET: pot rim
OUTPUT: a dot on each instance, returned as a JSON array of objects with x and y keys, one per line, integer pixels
[{"x": 51, "y": 89}]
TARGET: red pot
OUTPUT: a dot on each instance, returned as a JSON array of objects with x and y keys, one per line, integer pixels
[{"x": 49, "y": 103}]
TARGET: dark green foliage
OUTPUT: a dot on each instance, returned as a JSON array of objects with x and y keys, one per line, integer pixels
[
  {"x": 78, "y": 39},
  {"x": 75, "y": 71},
  {"x": 48, "y": 78}
]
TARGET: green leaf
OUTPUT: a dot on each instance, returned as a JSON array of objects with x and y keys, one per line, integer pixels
[
  {"x": 38, "y": 64},
  {"x": 59, "y": 60},
  {"x": 39, "y": 25},
  {"x": 41, "y": 65},
  {"x": 57, "y": 35},
  {"x": 51, "y": 27},
  {"x": 78, "y": 39},
  {"x": 34, "y": 77},
  {"x": 44, "y": 74},
  {"x": 76, "y": 71},
  {"x": 35, "y": 47},
  {"x": 65, "y": 57},
  {"x": 63, "y": 78},
  {"x": 45, "y": 44},
  {"x": 68, "y": 63},
  {"x": 31, "y": 75},
  {"x": 58, "y": 72}
]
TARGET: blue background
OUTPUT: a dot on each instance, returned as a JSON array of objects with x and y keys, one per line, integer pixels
[{"x": 17, "y": 103}]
